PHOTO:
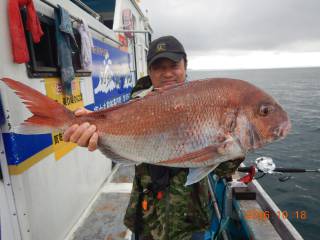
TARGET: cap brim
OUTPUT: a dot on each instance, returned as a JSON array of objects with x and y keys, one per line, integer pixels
[{"x": 176, "y": 57}]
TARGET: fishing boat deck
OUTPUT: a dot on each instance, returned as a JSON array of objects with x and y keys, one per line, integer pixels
[{"x": 103, "y": 220}]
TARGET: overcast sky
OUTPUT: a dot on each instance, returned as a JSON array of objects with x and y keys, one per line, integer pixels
[{"x": 240, "y": 33}]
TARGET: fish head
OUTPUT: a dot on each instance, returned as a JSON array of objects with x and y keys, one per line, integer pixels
[{"x": 262, "y": 121}]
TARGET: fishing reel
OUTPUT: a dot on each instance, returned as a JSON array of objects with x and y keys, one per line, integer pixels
[{"x": 265, "y": 164}]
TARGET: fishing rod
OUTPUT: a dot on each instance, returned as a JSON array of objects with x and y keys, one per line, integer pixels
[
  {"x": 282, "y": 170},
  {"x": 266, "y": 165}
]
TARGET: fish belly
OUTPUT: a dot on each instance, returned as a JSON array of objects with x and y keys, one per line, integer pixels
[{"x": 161, "y": 147}]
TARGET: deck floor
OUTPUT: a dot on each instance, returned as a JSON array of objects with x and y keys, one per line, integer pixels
[{"x": 104, "y": 220}]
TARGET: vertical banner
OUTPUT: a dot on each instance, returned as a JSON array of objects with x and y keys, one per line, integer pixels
[
  {"x": 54, "y": 91},
  {"x": 111, "y": 76}
]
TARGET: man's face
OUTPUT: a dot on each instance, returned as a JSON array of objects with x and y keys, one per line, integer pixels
[{"x": 164, "y": 72}]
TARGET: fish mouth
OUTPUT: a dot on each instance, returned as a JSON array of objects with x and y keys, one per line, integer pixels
[{"x": 283, "y": 130}]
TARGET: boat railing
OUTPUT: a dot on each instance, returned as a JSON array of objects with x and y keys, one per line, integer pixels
[{"x": 237, "y": 204}]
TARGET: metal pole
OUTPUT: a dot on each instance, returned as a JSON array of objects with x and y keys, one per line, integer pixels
[
  {"x": 216, "y": 207},
  {"x": 131, "y": 31},
  {"x": 79, "y": 21},
  {"x": 86, "y": 8}
]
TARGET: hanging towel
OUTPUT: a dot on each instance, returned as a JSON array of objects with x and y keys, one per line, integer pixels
[
  {"x": 86, "y": 45},
  {"x": 64, "y": 36},
  {"x": 18, "y": 39}
]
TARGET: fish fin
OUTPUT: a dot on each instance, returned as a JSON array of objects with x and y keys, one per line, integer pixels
[
  {"x": 124, "y": 161},
  {"x": 30, "y": 129},
  {"x": 196, "y": 157},
  {"x": 118, "y": 159},
  {"x": 46, "y": 112},
  {"x": 109, "y": 153},
  {"x": 142, "y": 93},
  {"x": 110, "y": 109},
  {"x": 167, "y": 87},
  {"x": 197, "y": 174},
  {"x": 204, "y": 154},
  {"x": 231, "y": 120},
  {"x": 148, "y": 94}
]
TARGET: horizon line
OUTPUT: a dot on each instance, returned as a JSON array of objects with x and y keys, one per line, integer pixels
[{"x": 253, "y": 68}]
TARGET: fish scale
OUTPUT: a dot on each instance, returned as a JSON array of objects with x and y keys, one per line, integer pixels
[
  {"x": 164, "y": 146},
  {"x": 196, "y": 125}
]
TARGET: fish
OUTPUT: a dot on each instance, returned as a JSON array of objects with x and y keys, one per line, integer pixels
[{"x": 196, "y": 125}]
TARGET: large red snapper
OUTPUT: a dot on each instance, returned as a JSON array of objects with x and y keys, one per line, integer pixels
[{"x": 195, "y": 125}]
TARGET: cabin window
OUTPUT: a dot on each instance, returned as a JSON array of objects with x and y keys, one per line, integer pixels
[
  {"x": 76, "y": 56},
  {"x": 105, "y": 10},
  {"x": 43, "y": 55},
  {"x": 108, "y": 23}
]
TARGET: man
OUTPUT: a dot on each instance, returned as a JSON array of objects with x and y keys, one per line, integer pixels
[{"x": 160, "y": 206}]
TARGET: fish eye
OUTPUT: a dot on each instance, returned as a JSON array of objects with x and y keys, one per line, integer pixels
[{"x": 265, "y": 110}]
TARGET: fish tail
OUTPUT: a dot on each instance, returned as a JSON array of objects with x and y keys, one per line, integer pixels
[{"x": 47, "y": 113}]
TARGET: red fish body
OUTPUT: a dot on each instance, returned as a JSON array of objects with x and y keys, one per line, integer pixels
[{"x": 196, "y": 125}]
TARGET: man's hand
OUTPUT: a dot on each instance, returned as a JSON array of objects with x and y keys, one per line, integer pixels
[{"x": 84, "y": 135}]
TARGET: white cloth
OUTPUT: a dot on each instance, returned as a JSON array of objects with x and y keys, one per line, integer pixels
[{"x": 86, "y": 45}]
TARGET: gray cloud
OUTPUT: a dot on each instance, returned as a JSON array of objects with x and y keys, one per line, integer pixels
[{"x": 213, "y": 25}]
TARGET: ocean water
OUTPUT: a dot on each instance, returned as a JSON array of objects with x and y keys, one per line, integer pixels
[{"x": 298, "y": 91}]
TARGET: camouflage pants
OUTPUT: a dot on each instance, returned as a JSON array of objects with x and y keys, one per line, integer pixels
[
  {"x": 177, "y": 215},
  {"x": 195, "y": 236}
]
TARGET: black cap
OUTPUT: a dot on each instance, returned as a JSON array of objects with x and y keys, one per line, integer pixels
[{"x": 165, "y": 47}]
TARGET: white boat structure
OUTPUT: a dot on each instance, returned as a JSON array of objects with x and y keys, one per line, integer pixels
[{"x": 54, "y": 190}]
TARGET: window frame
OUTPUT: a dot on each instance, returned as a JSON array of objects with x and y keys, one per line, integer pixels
[{"x": 36, "y": 71}]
